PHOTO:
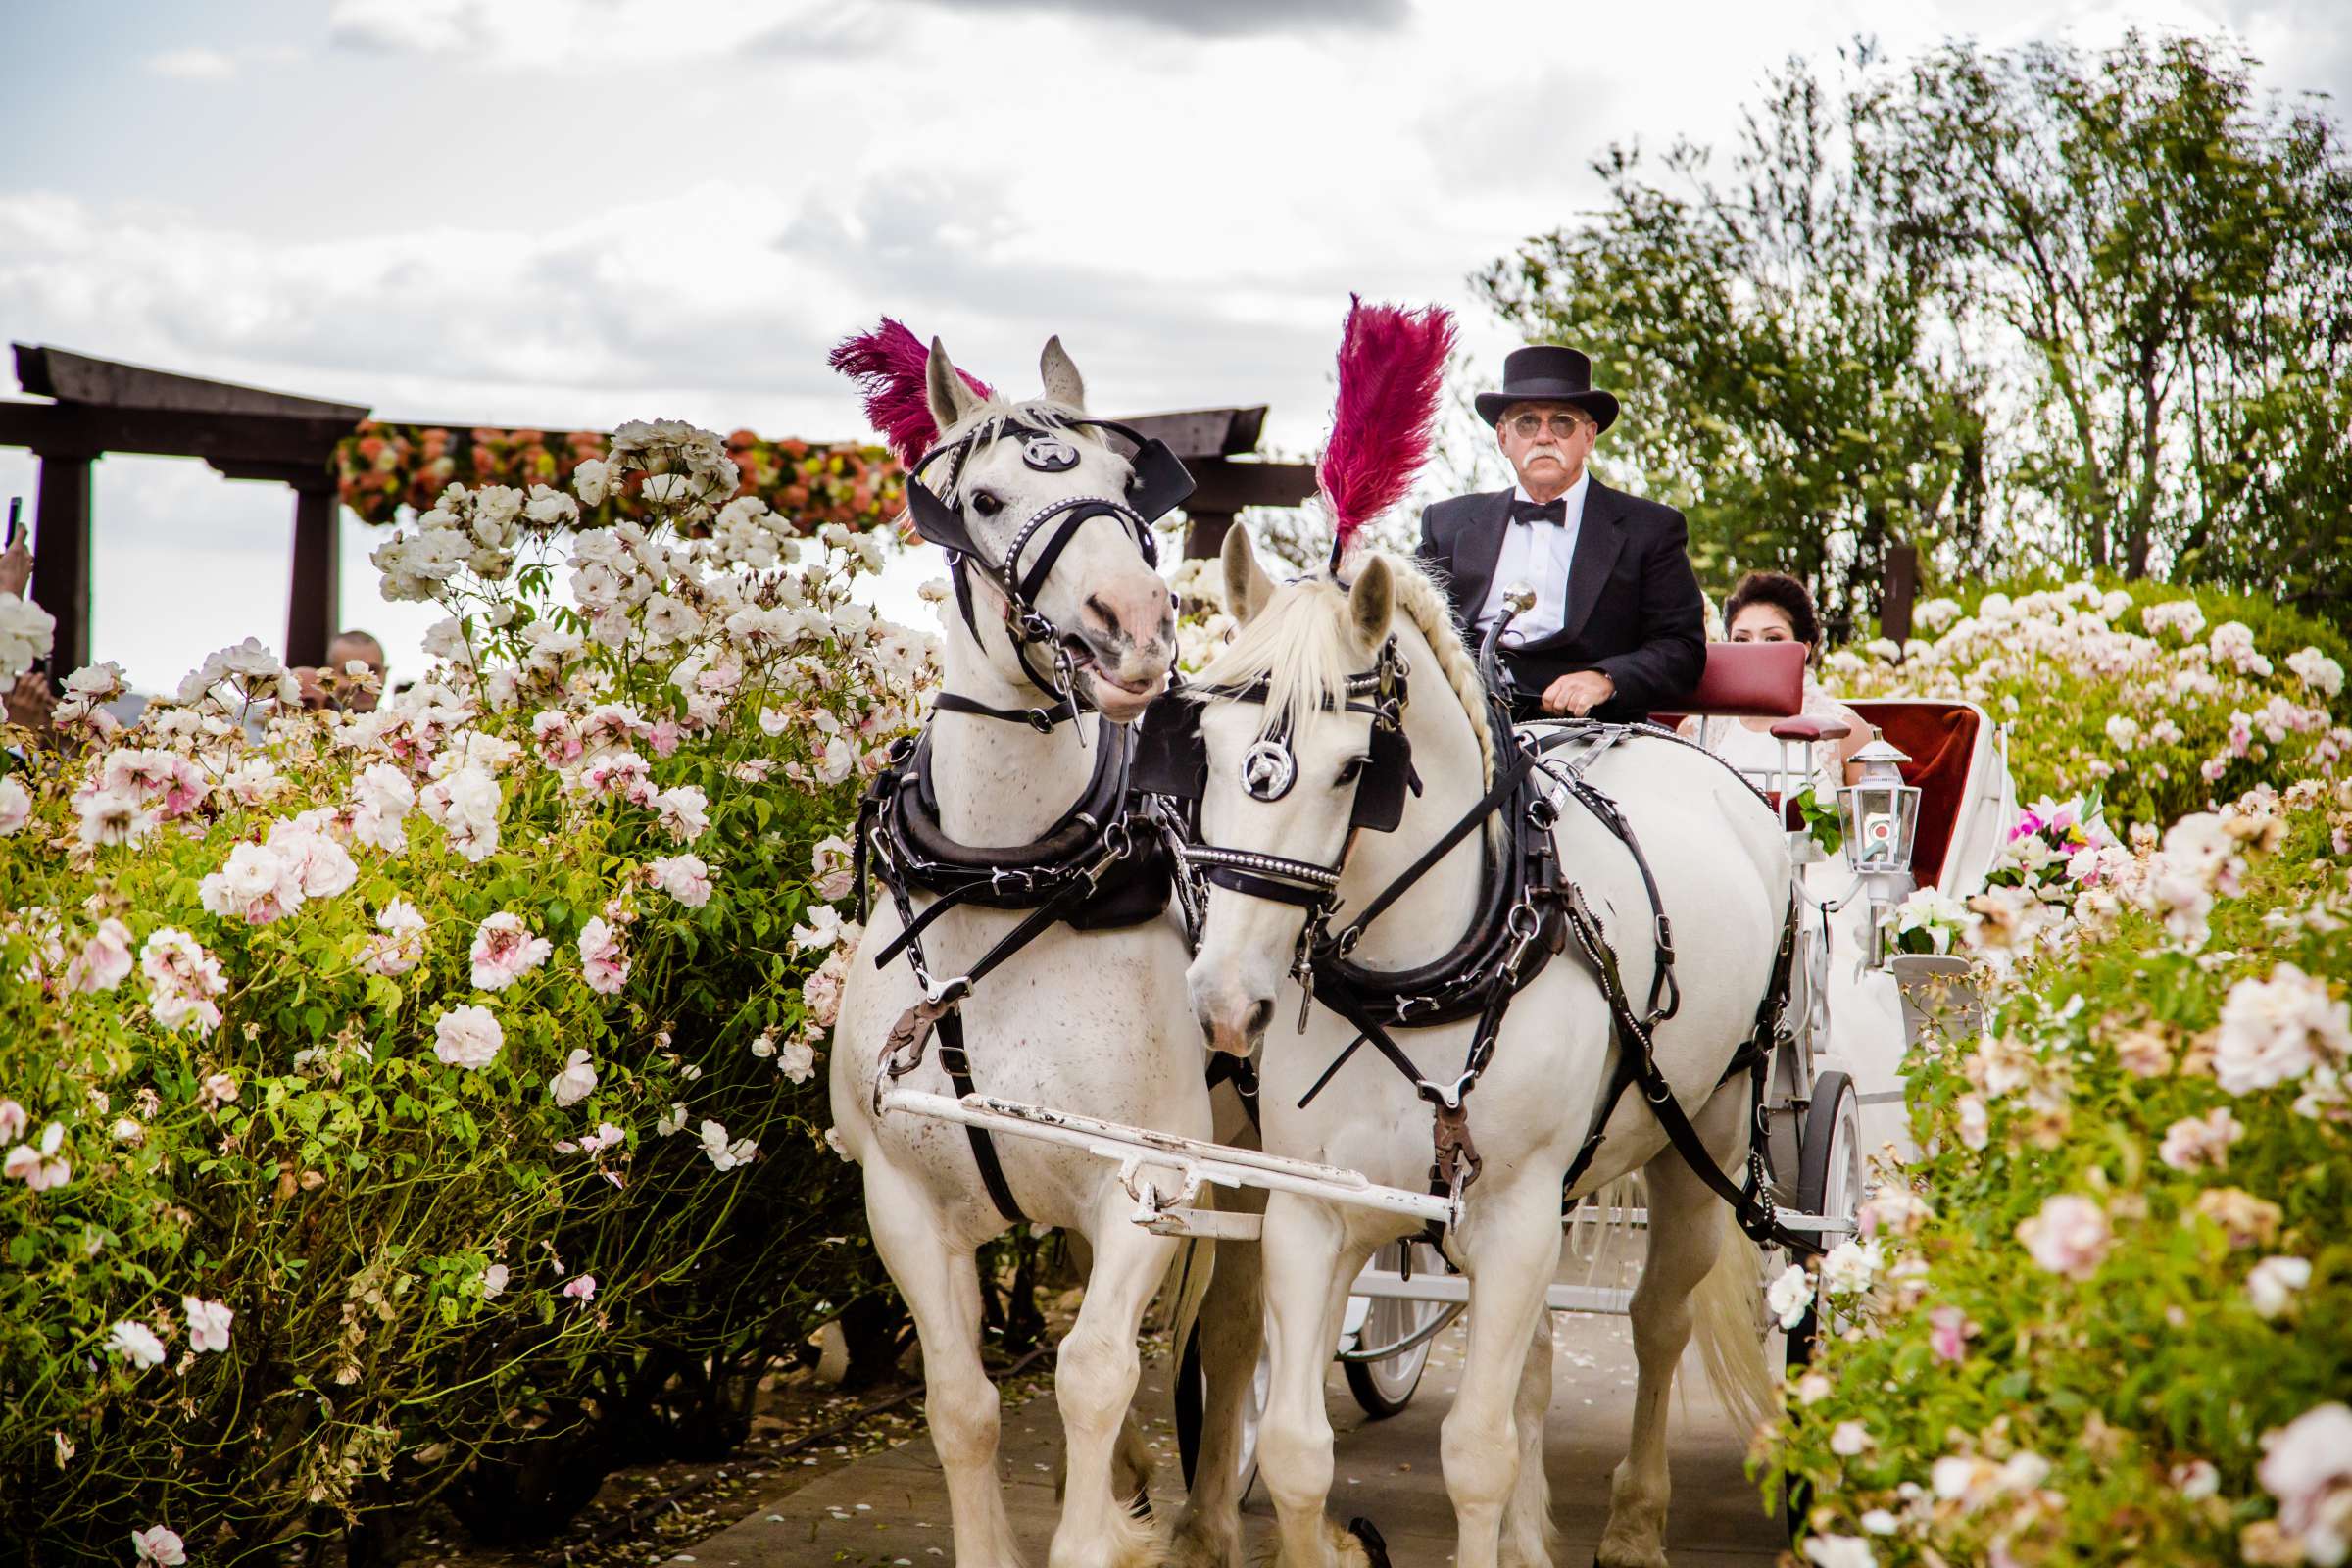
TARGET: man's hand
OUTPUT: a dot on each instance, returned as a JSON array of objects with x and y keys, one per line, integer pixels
[
  {"x": 1577, "y": 694},
  {"x": 16, "y": 568}
]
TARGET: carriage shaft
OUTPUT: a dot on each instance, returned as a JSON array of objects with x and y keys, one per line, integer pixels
[{"x": 1191, "y": 1159}]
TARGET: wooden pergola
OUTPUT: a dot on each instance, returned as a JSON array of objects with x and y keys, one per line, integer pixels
[{"x": 100, "y": 405}]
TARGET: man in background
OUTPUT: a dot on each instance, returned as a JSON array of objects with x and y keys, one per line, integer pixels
[{"x": 1618, "y": 627}]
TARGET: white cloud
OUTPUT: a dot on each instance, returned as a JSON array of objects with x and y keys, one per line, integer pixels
[{"x": 192, "y": 65}]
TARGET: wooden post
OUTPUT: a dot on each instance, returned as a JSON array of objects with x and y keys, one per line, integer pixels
[
  {"x": 1896, "y": 592},
  {"x": 61, "y": 564},
  {"x": 1205, "y": 533},
  {"x": 311, "y": 605}
]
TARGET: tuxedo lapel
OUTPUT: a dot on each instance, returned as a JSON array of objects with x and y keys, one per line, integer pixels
[
  {"x": 1477, "y": 551},
  {"x": 1598, "y": 539}
]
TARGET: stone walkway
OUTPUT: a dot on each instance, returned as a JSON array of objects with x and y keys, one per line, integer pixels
[{"x": 892, "y": 1506}]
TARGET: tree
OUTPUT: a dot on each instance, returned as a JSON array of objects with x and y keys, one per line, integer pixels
[
  {"x": 1777, "y": 341},
  {"x": 2039, "y": 306},
  {"x": 2167, "y": 258}
]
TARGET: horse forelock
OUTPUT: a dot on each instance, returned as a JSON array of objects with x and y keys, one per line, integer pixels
[
  {"x": 1303, "y": 647},
  {"x": 985, "y": 425}
]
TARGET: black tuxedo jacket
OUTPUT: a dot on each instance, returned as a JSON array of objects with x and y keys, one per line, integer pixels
[{"x": 1634, "y": 611}]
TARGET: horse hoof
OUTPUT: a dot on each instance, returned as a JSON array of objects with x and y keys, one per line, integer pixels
[{"x": 1374, "y": 1545}]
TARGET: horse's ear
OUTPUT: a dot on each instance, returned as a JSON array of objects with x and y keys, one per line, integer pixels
[
  {"x": 951, "y": 400},
  {"x": 1064, "y": 384},
  {"x": 1371, "y": 602},
  {"x": 1247, "y": 585}
]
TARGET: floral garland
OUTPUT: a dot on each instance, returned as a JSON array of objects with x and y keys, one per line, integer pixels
[{"x": 380, "y": 467}]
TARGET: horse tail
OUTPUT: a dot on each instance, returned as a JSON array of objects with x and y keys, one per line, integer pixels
[{"x": 1726, "y": 1322}]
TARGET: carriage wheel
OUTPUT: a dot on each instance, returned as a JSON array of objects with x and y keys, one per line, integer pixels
[
  {"x": 1192, "y": 1403},
  {"x": 1829, "y": 1178},
  {"x": 1829, "y": 1183},
  {"x": 1393, "y": 1347}
]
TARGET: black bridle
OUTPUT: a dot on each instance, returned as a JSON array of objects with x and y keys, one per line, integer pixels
[
  {"x": 1160, "y": 482},
  {"x": 1172, "y": 760}
]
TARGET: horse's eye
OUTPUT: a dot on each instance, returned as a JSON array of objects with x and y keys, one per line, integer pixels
[
  {"x": 1353, "y": 769},
  {"x": 987, "y": 503}
]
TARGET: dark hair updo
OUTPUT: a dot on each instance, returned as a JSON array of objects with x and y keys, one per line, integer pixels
[{"x": 1783, "y": 593}]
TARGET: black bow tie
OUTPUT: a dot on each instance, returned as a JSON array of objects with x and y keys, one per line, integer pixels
[{"x": 1553, "y": 512}]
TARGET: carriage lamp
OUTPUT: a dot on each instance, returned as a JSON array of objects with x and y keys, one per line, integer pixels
[
  {"x": 1881, "y": 818},
  {"x": 1880, "y": 813}
]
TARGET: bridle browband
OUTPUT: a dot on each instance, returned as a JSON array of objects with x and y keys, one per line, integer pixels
[{"x": 1159, "y": 483}]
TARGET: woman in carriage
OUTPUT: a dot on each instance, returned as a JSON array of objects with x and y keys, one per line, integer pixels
[{"x": 1772, "y": 607}]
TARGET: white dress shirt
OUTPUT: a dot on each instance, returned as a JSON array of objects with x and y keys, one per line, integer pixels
[{"x": 1538, "y": 555}]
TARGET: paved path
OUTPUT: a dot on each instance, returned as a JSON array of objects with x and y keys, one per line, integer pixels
[{"x": 893, "y": 1506}]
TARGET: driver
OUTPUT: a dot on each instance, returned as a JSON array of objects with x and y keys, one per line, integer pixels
[{"x": 1617, "y": 627}]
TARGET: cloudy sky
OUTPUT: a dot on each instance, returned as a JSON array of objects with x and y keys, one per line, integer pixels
[{"x": 576, "y": 212}]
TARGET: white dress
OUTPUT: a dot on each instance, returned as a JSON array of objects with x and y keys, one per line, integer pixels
[{"x": 1756, "y": 754}]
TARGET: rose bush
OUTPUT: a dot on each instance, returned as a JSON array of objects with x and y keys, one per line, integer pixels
[
  {"x": 427, "y": 1101},
  {"x": 383, "y": 467},
  {"x": 2101, "y": 1318},
  {"x": 2160, "y": 701}
]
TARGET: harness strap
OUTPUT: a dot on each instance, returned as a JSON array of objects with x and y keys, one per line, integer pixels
[
  {"x": 1751, "y": 1204},
  {"x": 1040, "y": 719},
  {"x": 984, "y": 1148},
  {"x": 1506, "y": 784}
]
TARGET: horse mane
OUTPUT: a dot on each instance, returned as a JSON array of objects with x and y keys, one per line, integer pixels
[{"x": 1301, "y": 646}]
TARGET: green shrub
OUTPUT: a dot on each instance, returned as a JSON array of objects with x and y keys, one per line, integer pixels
[
  {"x": 2103, "y": 1317},
  {"x": 2162, "y": 701},
  {"x": 440, "y": 1260}
]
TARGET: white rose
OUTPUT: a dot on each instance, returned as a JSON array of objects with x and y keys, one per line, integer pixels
[{"x": 467, "y": 1036}]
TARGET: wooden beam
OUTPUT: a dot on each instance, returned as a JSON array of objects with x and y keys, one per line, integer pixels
[
  {"x": 1205, "y": 533},
  {"x": 61, "y": 562},
  {"x": 1203, "y": 432},
  {"x": 1221, "y": 484},
  {"x": 311, "y": 605},
  {"x": 1897, "y": 591},
  {"x": 70, "y": 377},
  {"x": 220, "y": 438}
]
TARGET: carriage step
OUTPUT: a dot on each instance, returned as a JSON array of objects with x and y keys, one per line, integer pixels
[{"x": 1456, "y": 1288}]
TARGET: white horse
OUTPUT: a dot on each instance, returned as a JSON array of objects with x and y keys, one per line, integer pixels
[
  {"x": 1722, "y": 866},
  {"x": 1094, "y": 1022}
]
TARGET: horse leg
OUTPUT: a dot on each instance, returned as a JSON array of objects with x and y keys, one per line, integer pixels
[
  {"x": 1131, "y": 1458},
  {"x": 941, "y": 1287},
  {"x": 1208, "y": 1532},
  {"x": 1511, "y": 1244},
  {"x": 1691, "y": 1235},
  {"x": 1530, "y": 1539},
  {"x": 1093, "y": 1383},
  {"x": 1306, "y": 1268}
]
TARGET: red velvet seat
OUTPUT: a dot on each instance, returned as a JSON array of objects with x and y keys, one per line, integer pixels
[
  {"x": 1940, "y": 739},
  {"x": 1746, "y": 681}
]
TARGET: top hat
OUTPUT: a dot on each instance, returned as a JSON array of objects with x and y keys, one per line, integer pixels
[{"x": 1549, "y": 373}]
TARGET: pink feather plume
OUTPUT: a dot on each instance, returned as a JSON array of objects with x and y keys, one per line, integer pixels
[
  {"x": 889, "y": 365},
  {"x": 1391, "y": 375}
]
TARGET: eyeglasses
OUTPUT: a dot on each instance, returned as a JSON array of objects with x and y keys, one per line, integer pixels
[{"x": 1528, "y": 426}]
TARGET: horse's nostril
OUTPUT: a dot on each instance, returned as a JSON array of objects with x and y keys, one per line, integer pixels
[{"x": 1261, "y": 1013}]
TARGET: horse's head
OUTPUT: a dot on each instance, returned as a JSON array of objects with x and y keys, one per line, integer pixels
[
  {"x": 1045, "y": 511},
  {"x": 1299, "y": 724}
]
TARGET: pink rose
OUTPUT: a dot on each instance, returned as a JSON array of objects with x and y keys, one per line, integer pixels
[{"x": 2070, "y": 1236}]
